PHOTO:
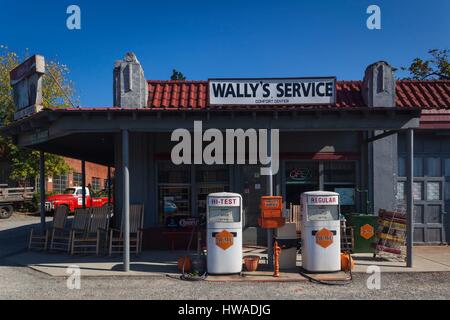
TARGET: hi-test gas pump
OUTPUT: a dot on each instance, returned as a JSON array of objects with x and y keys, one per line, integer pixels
[
  {"x": 321, "y": 236},
  {"x": 224, "y": 233}
]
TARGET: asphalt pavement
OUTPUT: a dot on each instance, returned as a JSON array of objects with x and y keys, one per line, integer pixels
[{"x": 19, "y": 282}]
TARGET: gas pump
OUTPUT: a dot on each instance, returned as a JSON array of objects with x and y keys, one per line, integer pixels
[
  {"x": 321, "y": 236},
  {"x": 224, "y": 233}
]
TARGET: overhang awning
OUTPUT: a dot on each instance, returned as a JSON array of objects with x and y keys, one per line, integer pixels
[{"x": 88, "y": 134}]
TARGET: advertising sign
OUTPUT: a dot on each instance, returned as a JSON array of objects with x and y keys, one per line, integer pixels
[
  {"x": 224, "y": 239},
  {"x": 323, "y": 200},
  {"x": 286, "y": 91},
  {"x": 224, "y": 202}
]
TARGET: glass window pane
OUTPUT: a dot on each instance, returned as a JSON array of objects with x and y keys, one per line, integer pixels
[
  {"x": 96, "y": 184},
  {"x": 447, "y": 191},
  {"x": 302, "y": 173},
  {"x": 447, "y": 167},
  {"x": 418, "y": 167},
  {"x": 400, "y": 191},
  {"x": 417, "y": 191},
  {"x": 174, "y": 201},
  {"x": 212, "y": 174},
  {"x": 227, "y": 215},
  {"x": 339, "y": 171},
  {"x": 434, "y": 167},
  {"x": 433, "y": 191},
  {"x": 170, "y": 173},
  {"x": 323, "y": 213},
  {"x": 77, "y": 179},
  {"x": 401, "y": 167},
  {"x": 60, "y": 183}
]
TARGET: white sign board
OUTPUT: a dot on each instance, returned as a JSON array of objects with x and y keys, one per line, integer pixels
[
  {"x": 289, "y": 91},
  {"x": 224, "y": 201},
  {"x": 323, "y": 200}
]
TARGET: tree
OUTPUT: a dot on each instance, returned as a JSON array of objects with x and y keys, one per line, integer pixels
[
  {"x": 436, "y": 67},
  {"x": 177, "y": 75},
  {"x": 25, "y": 162}
]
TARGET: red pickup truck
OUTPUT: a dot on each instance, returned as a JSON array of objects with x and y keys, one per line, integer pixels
[{"x": 72, "y": 198}]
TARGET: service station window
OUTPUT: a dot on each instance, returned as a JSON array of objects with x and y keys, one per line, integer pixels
[
  {"x": 210, "y": 179},
  {"x": 224, "y": 215},
  {"x": 301, "y": 176},
  {"x": 340, "y": 177},
  {"x": 174, "y": 191}
]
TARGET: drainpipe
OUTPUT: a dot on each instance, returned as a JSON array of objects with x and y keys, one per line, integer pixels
[
  {"x": 270, "y": 193},
  {"x": 409, "y": 197},
  {"x": 109, "y": 184},
  {"x": 83, "y": 183},
  {"x": 42, "y": 189},
  {"x": 126, "y": 201}
]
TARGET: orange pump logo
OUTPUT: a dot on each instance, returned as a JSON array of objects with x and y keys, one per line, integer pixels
[
  {"x": 324, "y": 238},
  {"x": 224, "y": 239},
  {"x": 366, "y": 231}
]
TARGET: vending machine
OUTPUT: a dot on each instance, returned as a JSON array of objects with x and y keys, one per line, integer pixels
[
  {"x": 224, "y": 233},
  {"x": 321, "y": 236}
]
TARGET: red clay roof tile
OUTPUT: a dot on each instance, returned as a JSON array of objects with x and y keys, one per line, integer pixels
[{"x": 177, "y": 94}]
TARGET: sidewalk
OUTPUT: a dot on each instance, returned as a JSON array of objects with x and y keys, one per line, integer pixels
[{"x": 162, "y": 263}]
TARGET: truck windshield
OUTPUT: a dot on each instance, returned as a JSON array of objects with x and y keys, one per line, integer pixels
[{"x": 69, "y": 191}]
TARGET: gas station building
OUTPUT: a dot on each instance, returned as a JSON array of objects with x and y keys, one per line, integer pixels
[{"x": 365, "y": 145}]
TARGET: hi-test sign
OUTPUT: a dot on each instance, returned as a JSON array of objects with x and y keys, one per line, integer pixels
[
  {"x": 286, "y": 91},
  {"x": 224, "y": 201}
]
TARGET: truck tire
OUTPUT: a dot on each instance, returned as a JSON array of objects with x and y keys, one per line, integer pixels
[{"x": 6, "y": 212}]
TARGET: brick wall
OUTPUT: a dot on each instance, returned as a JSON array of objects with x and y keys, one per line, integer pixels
[{"x": 92, "y": 171}]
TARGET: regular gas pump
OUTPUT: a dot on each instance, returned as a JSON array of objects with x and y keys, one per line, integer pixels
[
  {"x": 321, "y": 236},
  {"x": 224, "y": 233}
]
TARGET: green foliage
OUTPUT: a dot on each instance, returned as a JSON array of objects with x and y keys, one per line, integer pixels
[
  {"x": 436, "y": 67},
  {"x": 177, "y": 75},
  {"x": 25, "y": 162}
]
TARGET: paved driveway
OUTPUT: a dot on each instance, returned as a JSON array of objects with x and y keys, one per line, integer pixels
[{"x": 18, "y": 282}]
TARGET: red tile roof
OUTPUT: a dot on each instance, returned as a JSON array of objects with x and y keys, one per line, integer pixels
[
  {"x": 175, "y": 94},
  {"x": 431, "y": 94}
]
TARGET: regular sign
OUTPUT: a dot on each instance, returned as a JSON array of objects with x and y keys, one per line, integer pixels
[
  {"x": 272, "y": 91},
  {"x": 323, "y": 200}
]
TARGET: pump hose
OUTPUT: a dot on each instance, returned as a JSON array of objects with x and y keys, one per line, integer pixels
[
  {"x": 332, "y": 283},
  {"x": 189, "y": 276}
]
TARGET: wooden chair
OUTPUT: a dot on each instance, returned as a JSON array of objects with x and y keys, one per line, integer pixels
[
  {"x": 40, "y": 241},
  {"x": 88, "y": 241},
  {"x": 116, "y": 240},
  {"x": 62, "y": 239}
]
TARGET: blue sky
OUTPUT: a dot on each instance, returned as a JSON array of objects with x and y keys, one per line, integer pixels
[{"x": 233, "y": 38}]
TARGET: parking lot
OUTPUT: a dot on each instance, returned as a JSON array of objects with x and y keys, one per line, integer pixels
[{"x": 21, "y": 282}]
